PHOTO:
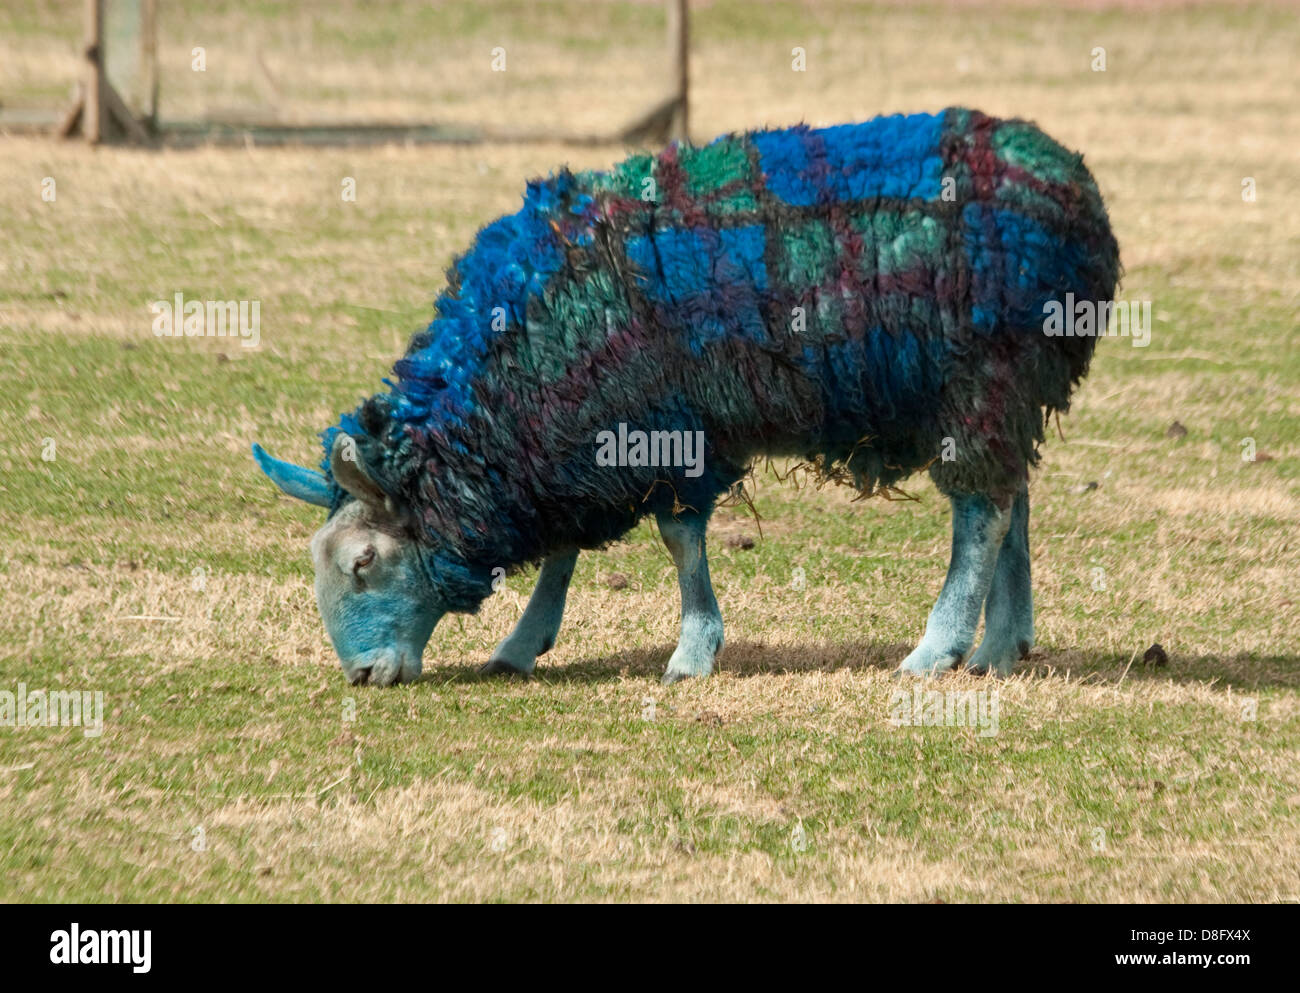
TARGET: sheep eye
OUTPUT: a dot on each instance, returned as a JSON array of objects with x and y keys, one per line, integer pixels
[{"x": 363, "y": 560}]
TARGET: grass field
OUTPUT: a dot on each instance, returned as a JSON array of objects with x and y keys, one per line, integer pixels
[{"x": 142, "y": 555}]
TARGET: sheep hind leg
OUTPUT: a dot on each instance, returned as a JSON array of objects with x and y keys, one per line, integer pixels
[
  {"x": 1009, "y": 609},
  {"x": 535, "y": 632},
  {"x": 978, "y": 528},
  {"x": 701, "y": 635}
]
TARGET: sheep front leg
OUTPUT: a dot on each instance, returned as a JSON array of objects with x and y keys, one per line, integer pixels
[
  {"x": 535, "y": 632},
  {"x": 701, "y": 635}
]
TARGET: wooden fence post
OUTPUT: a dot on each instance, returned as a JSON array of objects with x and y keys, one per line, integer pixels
[
  {"x": 679, "y": 41},
  {"x": 92, "y": 110},
  {"x": 149, "y": 51}
]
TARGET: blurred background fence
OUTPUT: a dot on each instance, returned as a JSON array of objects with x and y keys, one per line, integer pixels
[
  {"x": 601, "y": 70},
  {"x": 593, "y": 67}
]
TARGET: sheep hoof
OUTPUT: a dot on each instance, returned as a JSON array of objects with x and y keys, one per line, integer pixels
[
  {"x": 927, "y": 662},
  {"x": 500, "y": 667},
  {"x": 670, "y": 677},
  {"x": 997, "y": 659}
]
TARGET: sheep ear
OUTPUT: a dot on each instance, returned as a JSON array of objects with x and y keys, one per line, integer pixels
[
  {"x": 349, "y": 472},
  {"x": 305, "y": 484}
]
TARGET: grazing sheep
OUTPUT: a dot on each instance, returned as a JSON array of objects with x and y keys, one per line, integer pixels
[{"x": 868, "y": 297}]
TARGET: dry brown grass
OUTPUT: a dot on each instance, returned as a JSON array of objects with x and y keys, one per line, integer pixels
[{"x": 228, "y": 714}]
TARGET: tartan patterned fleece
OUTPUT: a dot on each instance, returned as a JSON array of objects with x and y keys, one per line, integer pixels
[{"x": 853, "y": 295}]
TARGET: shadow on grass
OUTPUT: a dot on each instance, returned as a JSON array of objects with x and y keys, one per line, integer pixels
[{"x": 746, "y": 659}]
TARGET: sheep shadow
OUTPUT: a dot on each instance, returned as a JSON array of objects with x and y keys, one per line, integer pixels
[{"x": 751, "y": 659}]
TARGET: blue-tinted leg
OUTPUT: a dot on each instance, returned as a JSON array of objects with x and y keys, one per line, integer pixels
[
  {"x": 1009, "y": 610},
  {"x": 535, "y": 632},
  {"x": 978, "y": 528},
  {"x": 701, "y": 637}
]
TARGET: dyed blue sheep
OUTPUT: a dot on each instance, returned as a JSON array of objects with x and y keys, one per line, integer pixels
[{"x": 868, "y": 297}]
